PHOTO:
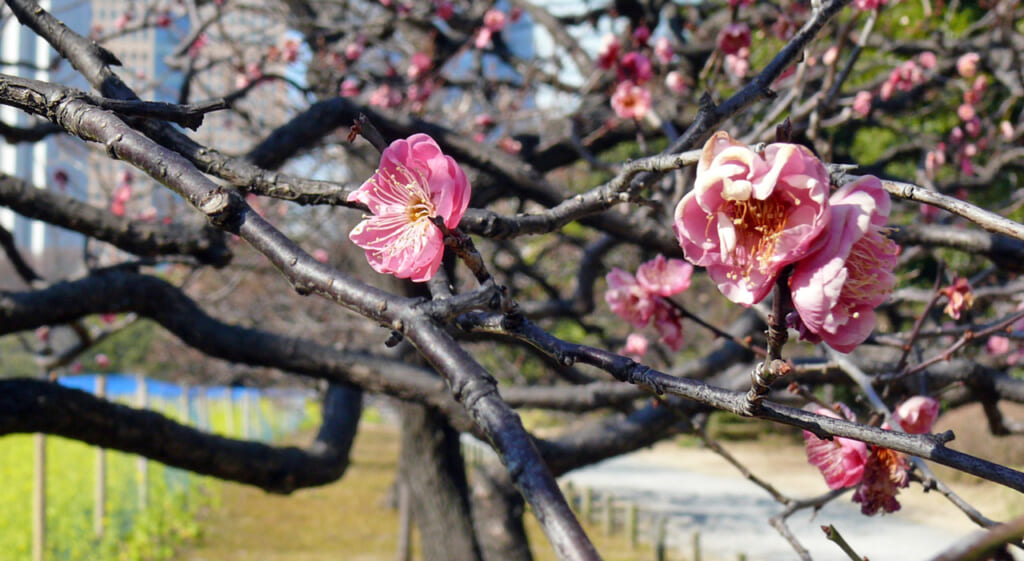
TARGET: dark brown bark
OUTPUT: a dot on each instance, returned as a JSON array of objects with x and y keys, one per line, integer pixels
[
  {"x": 498, "y": 510},
  {"x": 431, "y": 466}
]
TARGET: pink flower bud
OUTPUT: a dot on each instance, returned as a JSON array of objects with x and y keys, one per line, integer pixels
[
  {"x": 353, "y": 51},
  {"x": 917, "y": 415},
  {"x": 927, "y": 60},
  {"x": 830, "y": 56},
  {"x": 636, "y": 346},
  {"x": 663, "y": 49},
  {"x": 675, "y": 82},
  {"x": 973, "y": 127},
  {"x": 967, "y": 65},
  {"x": 609, "y": 52},
  {"x": 966, "y": 112},
  {"x": 320, "y": 254},
  {"x": 636, "y": 68},
  {"x": 642, "y": 35},
  {"x": 494, "y": 20},
  {"x": 862, "y": 103},
  {"x": 1006, "y": 130},
  {"x": 102, "y": 360}
]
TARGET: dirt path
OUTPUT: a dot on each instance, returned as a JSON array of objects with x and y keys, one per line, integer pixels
[{"x": 351, "y": 519}]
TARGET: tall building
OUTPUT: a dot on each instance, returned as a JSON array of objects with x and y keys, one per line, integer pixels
[{"x": 24, "y": 54}]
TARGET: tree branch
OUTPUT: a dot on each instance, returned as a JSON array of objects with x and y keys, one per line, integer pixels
[{"x": 28, "y": 406}]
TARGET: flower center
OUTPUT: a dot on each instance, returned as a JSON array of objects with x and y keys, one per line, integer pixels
[
  {"x": 759, "y": 224},
  {"x": 869, "y": 266},
  {"x": 419, "y": 207}
]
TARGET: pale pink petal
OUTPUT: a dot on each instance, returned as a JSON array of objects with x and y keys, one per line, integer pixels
[
  {"x": 664, "y": 277},
  {"x": 840, "y": 460},
  {"x": 917, "y": 415}
]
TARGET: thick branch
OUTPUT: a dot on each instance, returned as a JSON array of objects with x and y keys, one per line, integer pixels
[
  {"x": 28, "y": 406},
  {"x": 206, "y": 245}
]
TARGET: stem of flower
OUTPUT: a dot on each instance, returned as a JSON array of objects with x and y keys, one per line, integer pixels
[
  {"x": 745, "y": 342},
  {"x": 773, "y": 366}
]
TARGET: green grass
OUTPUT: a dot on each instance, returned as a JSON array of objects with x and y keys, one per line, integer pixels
[{"x": 130, "y": 533}]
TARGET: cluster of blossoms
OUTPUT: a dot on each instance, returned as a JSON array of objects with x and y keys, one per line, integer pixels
[
  {"x": 415, "y": 185},
  {"x": 639, "y": 299},
  {"x": 878, "y": 473},
  {"x": 631, "y": 98},
  {"x": 751, "y": 215},
  {"x": 734, "y": 42}
]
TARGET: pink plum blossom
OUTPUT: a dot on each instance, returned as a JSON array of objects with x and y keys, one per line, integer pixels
[
  {"x": 349, "y": 88},
  {"x": 738, "y": 65},
  {"x": 122, "y": 21},
  {"x": 973, "y": 128},
  {"x": 967, "y": 65},
  {"x": 636, "y": 346},
  {"x": 675, "y": 82},
  {"x": 320, "y": 254},
  {"x": 917, "y": 415},
  {"x": 866, "y": 5},
  {"x": 905, "y": 76},
  {"x": 959, "y": 297},
  {"x": 664, "y": 277},
  {"x": 494, "y": 20},
  {"x": 642, "y": 35},
  {"x": 997, "y": 345},
  {"x": 669, "y": 325},
  {"x": 445, "y": 10},
  {"x": 966, "y": 112},
  {"x": 608, "y": 52},
  {"x": 885, "y": 473},
  {"x": 750, "y": 215},
  {"x": 510, "y": 145},
  {"x": 102, "y": 360},
  {"x": 849, "y": 270},
  {"x": 631, "y": 101},
  {"x": 419, "y": 64},
  {"x": 927, "y": 60},
  {"x": 862, "y": 103},
  {"x": 886, "y": 91},
  {"x": 628, "y": 299},
  {"x": 734, "y": 37},
  {"x": 483, "y": 38},
  {"x": 385, "y": 96},
  {"x": 353, "y": 51},
  {"x": 414, "y": 184},
  {"x": 830, "y": 55},
  {"x": 663, "y": 49},
  {"x": 43, "y": 333},
  {"x": 636, "y": 68},
  {"x": 1006, "y": 130},
  {"x": 840, "y": 460}
]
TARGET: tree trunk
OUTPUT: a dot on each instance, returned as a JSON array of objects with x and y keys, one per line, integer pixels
[
  {"x": 431, "y": 465},
  {"x": 498, "y": 509}
]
